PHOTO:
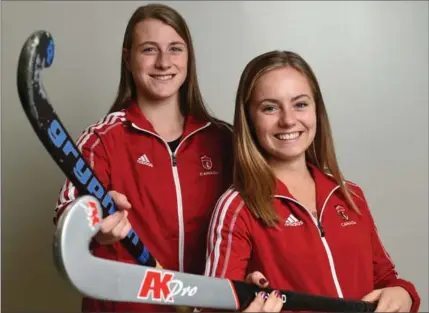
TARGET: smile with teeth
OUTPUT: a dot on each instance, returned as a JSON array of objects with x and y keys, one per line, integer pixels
[
  {"x": 163, "y": 77},
  {"x": 288, "y": 136}
]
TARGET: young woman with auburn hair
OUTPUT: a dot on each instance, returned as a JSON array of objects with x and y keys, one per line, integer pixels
[
  {"x": 158, "y": 151},
  {"x": 290, "y": 216}
]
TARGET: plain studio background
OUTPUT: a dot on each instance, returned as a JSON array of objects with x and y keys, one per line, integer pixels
[{"x": 372, "y": 62}]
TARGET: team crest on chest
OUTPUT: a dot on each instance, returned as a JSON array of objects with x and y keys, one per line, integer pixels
[
  {"x": 206, "y": 162},
  {"x": 207, "y": 165},
  {"x": 342, "y": 213}
]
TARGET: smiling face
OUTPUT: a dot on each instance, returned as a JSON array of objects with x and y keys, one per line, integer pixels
[
  {"x": 283, "y": 114},
  {"x": 158, "y": 59}
]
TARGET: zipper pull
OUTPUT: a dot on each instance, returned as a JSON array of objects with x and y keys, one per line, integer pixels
[
  {"x": 322, "y": 231},
  {"x": 173, "y": 155}
]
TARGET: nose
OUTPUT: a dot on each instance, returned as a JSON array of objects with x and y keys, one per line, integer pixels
[
  {"x": 163, "y": 61},
  {"x": 287, "y": 118}
]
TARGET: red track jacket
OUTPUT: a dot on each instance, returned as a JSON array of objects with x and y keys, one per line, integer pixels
[
  {"x": 342, "y": 256},
  {"x": 172, "y": 194}
]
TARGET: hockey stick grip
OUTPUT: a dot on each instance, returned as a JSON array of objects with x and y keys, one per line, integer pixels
[
  {"x": 36, "y": 54},
  {"x": 302, "y": 301}
]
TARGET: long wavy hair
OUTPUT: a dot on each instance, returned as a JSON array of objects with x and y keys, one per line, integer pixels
[{"x": 253, "y": 177}]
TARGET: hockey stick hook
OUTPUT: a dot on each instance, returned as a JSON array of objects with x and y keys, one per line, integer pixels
[
  {"x": 36, "y": 54},
  {"x": 117, "y": 281}
]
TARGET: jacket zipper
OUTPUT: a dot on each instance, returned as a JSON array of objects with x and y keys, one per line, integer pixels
[
  {"x": 177, "y": 187},
  {"x": 319, "y": 226},
  {"x": 322, "y": 231}
]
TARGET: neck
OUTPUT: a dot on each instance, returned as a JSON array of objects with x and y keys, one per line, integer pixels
[
  {"x": 290, "y": 172},
  {"x": 164, "y": 115}
]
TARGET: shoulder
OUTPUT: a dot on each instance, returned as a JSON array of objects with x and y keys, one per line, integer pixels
[
  {"x": 358, "y": 196},
  {"x": 225, "y": 126},
  {"x": 104, "y": 126},
  {"x": 229, "y": 207},
  {"x": 352, "y": 187},
  {"x": 219, "y": 136},
  {"x": 355, "y": 190},
  {"x": 222, "y": 129}
]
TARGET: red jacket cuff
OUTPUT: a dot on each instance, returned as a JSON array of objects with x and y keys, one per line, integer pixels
[{"x": 411, "y": 290}]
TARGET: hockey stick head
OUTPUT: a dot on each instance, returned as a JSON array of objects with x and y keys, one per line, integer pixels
[
  {"x": 87, "y": 213},
  {"x": 36, "y": 54},
  {"x": 116, "y": 281},
  {"x": 76, "y": 226}
]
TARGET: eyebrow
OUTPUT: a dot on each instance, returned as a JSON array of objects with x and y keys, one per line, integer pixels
[
  {"x": 300, "y": 96},
  {"x": 293, "y": 99},
  {"x": 156, "y": 44}
]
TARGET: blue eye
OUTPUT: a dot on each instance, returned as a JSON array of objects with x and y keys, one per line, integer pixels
[{"x": 301, "y": 105}]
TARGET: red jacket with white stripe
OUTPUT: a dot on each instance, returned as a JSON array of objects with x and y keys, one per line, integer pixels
[
  {"x": 172, "y": 193},
  {"x": 342, "y": 256}
]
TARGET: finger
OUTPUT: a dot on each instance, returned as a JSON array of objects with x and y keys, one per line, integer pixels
[
  {"x": 272, "y": 301},
  {"x": 125, "y": 230},
  {"x": 257, "y": 303},
  {"x": 104, "y": 239},
  {"x": 394, "y": 307},
  {"x": 116, "y": 233},
  {"x": 278, "y": 304},
  {"x": 120, "y": 200},
  {"x": 117, "y": 230},
  {"x": 382, "y": 305},
  {"x": 372, "y": 296},
  {"x": 111, "y": 221},
  {"x": 110, "y": 229},
  {"x": 389, "y": 306},
  {"x": 257, "y": 278}
]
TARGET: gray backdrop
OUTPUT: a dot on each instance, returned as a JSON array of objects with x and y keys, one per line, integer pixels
[{"x": 372, "y": 62}]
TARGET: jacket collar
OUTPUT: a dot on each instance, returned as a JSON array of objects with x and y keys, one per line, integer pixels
[
  {"x": 137, "y": 120},
  {"x": 325, "y": 185}
]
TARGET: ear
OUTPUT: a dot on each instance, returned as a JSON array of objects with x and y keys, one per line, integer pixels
[{"x": 126, "y": 58}]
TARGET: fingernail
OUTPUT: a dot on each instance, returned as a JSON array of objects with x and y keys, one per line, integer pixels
[
  {"x": 277, "y": 293},
  {"x": 262, "y": 281},
  {"x": 261, "y": 294}
]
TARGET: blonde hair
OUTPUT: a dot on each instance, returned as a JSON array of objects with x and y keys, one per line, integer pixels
[
  {"x": 253, "y": 177},
  {"x": 191, "y": 100}
]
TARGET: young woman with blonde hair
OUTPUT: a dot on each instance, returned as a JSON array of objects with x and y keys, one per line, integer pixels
[{"x": 290, "y": 216}]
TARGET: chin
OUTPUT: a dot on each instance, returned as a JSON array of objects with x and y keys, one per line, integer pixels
[
  {"x": 289, "y": 156},
  {"x": 164, "y": 95}
]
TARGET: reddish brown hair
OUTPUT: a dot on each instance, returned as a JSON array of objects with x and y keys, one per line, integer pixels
[{"x": 253, "y": 177}]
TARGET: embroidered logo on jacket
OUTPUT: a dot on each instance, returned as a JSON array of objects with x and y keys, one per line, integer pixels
[
  {"x": 342, "y": 212},
  {"x": 207, "y": 164},
  {"x": 292, "y": 221}
]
